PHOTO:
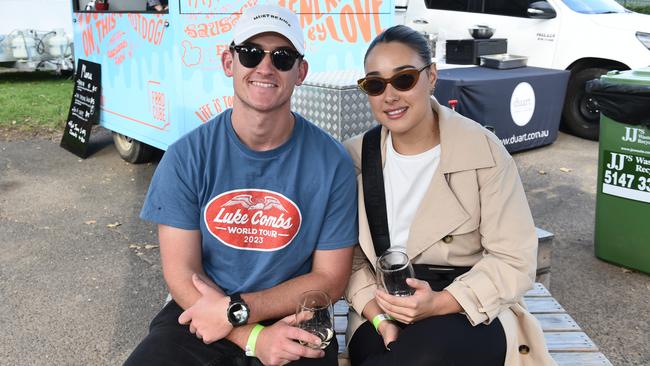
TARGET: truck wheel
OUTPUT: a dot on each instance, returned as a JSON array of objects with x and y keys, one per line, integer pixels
[
  {"x": 131, "y": 150},
  {"x": 580, "y": 115}
]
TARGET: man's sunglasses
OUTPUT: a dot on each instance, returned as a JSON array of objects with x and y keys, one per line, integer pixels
[
  {"x": 282, "y": 58},
  {"x": 402, "y": 81}
]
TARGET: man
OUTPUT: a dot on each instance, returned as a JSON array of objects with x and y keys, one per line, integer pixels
[
  {"x": 254, "y": 208},
  {"x": 157, "y": 5}
]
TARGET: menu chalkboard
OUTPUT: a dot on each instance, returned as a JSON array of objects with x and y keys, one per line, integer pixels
[{"x": 84, "y": 108}]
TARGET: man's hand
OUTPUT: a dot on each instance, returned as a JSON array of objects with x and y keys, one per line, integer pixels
[
  {"x": 276, "y": 344},
  {"x": 207, "y": 317},
  {"x": 389, "y": 331},
  {"x": 423, "y": 304}
]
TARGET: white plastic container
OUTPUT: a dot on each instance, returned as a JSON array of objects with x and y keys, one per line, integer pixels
[
  {"x": 57, "y": 44},
  {"x": 69, "y": 49},
  {"x": 6, "y": 53},
  {"x": 23, "y": 46}
]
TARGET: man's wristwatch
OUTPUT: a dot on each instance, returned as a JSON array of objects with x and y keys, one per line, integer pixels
[{"x": 238, "y": 311}]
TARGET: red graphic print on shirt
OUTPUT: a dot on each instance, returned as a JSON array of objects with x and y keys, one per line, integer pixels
[{"x": 253, "y": 219}]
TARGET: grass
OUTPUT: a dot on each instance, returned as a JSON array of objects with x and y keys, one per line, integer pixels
[{"x": 31, "y": 101}]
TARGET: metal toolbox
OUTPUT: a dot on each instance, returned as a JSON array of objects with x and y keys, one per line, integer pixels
[
  {"x": 503, "y": 61},
  {"x": 468, "y": 51},
  {"x": 332, "y": 100}
]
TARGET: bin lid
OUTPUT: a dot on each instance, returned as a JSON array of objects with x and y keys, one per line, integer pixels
[
  {"x": 623, "y": 96},
  {"x": 638, "y": 76}
]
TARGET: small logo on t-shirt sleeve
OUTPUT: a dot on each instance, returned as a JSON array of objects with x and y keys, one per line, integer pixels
[{"x": 253, "y": 219}]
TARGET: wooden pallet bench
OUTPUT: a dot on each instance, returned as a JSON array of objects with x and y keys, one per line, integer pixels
[{"x": 567, "y": 343}]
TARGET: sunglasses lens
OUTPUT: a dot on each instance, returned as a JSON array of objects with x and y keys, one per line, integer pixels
[
  {"x": 373, "y": 86},
  {"x": 402, "y": 81},
  {"x": 250, "y": 56},
  {"x": 283, "y": 60},
  {"x": 405, "y": 81}
]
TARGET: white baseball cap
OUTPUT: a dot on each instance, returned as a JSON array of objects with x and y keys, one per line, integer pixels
[{"x": 270, "y": 18}]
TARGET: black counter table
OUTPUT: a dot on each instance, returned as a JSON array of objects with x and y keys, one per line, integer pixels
[{"x": 523, "y": 105}]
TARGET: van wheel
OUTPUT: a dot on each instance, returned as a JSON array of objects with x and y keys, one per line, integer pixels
[
  {"x": 580, "y": 115},
  {"x": 131, "y": 150}
]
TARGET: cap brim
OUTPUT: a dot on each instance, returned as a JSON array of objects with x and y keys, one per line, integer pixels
[{"x": 253, "y": 31}]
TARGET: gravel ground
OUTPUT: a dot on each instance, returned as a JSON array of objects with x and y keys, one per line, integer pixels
[{"x": 80, "y": 277}]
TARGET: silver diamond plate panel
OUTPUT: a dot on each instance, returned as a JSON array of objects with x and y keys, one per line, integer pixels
[{"x": 333, "y": 102}]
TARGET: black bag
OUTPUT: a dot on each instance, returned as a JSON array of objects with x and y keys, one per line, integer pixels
[
  {"x": 374, "y": 197},
  {"x": 438, "y": 277},
  {"x": 625, "y": 103}
]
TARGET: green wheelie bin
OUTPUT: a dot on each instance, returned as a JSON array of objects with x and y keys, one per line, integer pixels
[{"x": 622, "y": 233}]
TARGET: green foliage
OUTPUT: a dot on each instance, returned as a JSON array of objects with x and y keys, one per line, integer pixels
[
  {"x": 34, "y": 100},
  {"x": 645, "y": 9}
]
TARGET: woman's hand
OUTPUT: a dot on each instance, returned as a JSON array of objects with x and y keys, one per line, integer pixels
[
  {"x": 422, "y": 304},
  {"x": 389, "y": 331}
]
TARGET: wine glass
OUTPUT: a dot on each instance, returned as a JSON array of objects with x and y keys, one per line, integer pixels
[
  {"x": 393, "y": 268},
  {"x": 316, "y": 315}
]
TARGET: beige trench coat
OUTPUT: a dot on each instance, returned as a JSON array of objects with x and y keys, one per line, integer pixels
[{"x": 474, "y": 213}]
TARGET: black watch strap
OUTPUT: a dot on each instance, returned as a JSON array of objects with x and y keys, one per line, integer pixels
[{"x": 236, "y": 297}]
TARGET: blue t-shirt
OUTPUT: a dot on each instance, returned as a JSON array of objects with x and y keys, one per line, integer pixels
[{"x": 261, "y": 214}]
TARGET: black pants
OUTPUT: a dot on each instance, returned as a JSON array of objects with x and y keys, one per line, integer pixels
[
  {"x": 171, "y": 343},
  {"x": 436, "y": 341}
]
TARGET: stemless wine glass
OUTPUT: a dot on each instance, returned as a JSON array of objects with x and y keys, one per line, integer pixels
[
  {"x": 393, "y": 268},
  {"x": 316, "y": 315}
]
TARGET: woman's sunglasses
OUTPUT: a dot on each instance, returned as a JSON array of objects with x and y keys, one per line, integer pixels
[
  {"x": 402, "y": 81},
  {"x": 251, "y": 56}
]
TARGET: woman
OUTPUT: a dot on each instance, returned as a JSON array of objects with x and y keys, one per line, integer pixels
[{"x": 453, "y": 198}]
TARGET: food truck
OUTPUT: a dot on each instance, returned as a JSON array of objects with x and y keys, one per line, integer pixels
[{"x": 161, "y": 73}]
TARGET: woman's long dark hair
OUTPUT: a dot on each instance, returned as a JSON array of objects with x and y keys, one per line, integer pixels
[{"x": 405, "y": 35}]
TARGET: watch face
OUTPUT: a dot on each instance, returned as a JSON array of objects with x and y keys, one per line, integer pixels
[{"x": 237, "y": 314}]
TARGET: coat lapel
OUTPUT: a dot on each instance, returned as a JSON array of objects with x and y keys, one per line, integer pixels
[{"x": 439, "y": 213}]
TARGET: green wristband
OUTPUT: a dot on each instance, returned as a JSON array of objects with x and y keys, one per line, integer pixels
[
  {"x": 252, "y": 340},
  {"x": 378, "y": 319}
]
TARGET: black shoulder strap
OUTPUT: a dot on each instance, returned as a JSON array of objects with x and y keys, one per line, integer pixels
[{"x": 373, "y": 189}]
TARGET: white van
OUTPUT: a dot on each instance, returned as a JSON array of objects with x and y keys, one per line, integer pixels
[{"x": 587, "y": 37}]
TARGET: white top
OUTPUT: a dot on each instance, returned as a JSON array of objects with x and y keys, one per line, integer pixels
[{"x": 406, "y": 179}]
